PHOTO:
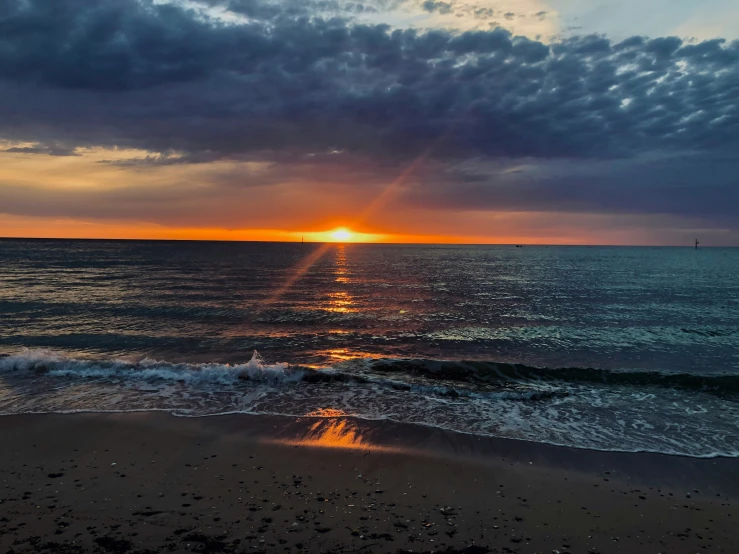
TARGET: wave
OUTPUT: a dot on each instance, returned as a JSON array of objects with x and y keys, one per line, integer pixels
[
  {"x": 472, "y": 379},
  {"x": 54, "y": 364},
  {"x": 494, "y": 372},
  {"x": 579, "y": 407},
  {"x": 59, "y": 365}
]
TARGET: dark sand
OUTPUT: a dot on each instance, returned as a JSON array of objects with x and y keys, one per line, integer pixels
[{"x": 157, "y": 483}]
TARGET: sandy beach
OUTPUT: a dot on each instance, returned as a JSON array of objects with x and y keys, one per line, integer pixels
[{"x": 151, "y": 482}]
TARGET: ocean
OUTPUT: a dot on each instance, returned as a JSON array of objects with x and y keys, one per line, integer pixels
[{"x": 609, "y": 348}]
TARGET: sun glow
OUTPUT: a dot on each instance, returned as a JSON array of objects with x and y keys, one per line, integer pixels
[
  {"x": 339, "y": 235},
  {"x": 342, "y": 235}
]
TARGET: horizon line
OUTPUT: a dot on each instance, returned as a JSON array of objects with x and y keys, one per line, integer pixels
[{"x": 517, "y": 245}]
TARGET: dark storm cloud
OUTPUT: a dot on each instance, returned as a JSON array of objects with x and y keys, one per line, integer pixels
[
  {"x": 277, "y": 82},
  {"x": 165, "y": 78}
]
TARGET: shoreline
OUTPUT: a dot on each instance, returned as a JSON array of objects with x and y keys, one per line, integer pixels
[
  {"x": 387, "y": 435},
  {"x": 150, "y": 481},
  {"x": 389, "y": 421},
  {"x": 575, "y": 407},
  {"x": 375, "y": 422}
]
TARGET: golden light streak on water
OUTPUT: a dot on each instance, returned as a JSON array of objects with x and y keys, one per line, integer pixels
[
  {"x": 295, "y": 275},
  {"x": 334, "y": 431}
]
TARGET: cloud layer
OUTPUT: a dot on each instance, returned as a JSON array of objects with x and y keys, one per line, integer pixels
[{"x": 313, "y": 90}]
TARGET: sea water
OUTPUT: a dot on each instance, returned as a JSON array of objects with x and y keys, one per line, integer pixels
[{"x": 613, "y": 348}]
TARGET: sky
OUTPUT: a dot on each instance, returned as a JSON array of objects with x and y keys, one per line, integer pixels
[{"x": 467, "y": 121}]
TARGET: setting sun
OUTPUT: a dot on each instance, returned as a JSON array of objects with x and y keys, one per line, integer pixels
[{"x": 341, "y": 235}]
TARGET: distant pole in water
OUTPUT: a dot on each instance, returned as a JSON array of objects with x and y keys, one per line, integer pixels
[
  {"x": 302, "y": 239},
  {"x": 696, "y": 244}
]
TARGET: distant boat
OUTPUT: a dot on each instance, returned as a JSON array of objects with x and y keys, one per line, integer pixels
[
  {"x": 696, "y": 244},
  {"x": 519, "y": 246}
]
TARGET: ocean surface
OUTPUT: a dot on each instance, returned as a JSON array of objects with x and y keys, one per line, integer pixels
[{"x": 612, "y": 348}]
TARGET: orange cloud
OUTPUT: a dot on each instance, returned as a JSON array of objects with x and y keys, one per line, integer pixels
[{"x": 78, "y": 197}]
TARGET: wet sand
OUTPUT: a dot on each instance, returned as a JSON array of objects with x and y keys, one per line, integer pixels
[{"x": 151, "y": 482}]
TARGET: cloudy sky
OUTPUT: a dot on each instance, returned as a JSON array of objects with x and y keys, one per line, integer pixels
[{"x": 559, "y": 121}]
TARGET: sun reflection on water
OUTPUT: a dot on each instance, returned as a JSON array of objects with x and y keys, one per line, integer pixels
[
  {"x": 336, "y": 355},
  {"x": 333, "y": 430},
  {"x": 340, "y": 301},
  {"x": 341, "y": 271},
  {"x": 341, "y": 354}
]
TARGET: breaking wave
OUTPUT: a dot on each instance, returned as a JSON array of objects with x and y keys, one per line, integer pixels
[
  {"x": 59, "y": 365},
  {"x": 472, "y": 378},
  {"x": 629, "y": 410},
  {"x": 45, "y": 362}
]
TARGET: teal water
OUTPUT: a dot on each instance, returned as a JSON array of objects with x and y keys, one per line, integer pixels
[{"x": 617, "y": 347}]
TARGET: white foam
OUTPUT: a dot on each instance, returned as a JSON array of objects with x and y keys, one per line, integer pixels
[
  {"x": 579, "y": 414},
  {"x": 59, "y": 365}
]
